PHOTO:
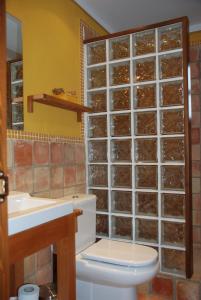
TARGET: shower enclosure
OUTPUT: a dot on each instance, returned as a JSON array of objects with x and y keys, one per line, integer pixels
[{"x": 137, "y": 139}]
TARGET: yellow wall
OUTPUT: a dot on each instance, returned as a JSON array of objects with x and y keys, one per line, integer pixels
[{"x": 51, "y": 55}]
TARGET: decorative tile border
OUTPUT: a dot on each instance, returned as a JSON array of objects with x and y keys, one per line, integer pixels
[{"x": 25, "y": 135}]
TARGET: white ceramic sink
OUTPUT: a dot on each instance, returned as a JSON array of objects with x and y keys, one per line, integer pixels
[{"x": 25, "y": 212}]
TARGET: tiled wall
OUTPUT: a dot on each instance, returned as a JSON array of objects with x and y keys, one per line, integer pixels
[
  {"x": 171, "y": 288},
  {"x": 46, "y": 169}
]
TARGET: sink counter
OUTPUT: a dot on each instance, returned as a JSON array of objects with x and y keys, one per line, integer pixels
[{"x": 26, "y": 212}]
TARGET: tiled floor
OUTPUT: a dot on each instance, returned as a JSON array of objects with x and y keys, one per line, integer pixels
[{"x": 142, "y": 296}]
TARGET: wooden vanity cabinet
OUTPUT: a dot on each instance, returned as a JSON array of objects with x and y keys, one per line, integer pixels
[{"x": 60, "y": 232}]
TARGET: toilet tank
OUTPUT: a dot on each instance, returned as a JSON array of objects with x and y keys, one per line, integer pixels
[{"x": 86, "y": 233}]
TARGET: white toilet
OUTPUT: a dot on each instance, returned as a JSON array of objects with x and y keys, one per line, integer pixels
[{"x": 108, "y": 270}]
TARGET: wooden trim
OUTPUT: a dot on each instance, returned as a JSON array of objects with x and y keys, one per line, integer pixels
[
  {"x": 60, "y": 232},
  {"x": 137, "y": 29},
  {"x": 57, "y": 102},
  {"x": 4, "y": 258},
  {"x": 188, "y": 158}
]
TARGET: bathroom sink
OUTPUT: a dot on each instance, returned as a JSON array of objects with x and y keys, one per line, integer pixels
[{"x": 25, "y": 212}]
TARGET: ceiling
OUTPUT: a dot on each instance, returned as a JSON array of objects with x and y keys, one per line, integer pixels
[{"x": 118, "y": 15}]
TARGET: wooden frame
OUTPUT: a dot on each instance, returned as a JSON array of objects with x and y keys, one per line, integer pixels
[
  {"x": 61, "y": 232},
  {"x": 187, "y": 124},
  {"x": 4, "y": 256}
]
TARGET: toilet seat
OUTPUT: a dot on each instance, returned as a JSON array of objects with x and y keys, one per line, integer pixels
[{"x": 120, "y": 253}]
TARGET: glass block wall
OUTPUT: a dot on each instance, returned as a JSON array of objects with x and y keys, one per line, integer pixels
[{"x": 135, "y": 140}]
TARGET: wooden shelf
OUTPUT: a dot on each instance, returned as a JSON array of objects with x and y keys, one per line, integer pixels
[{"x": 57, "y": 102}]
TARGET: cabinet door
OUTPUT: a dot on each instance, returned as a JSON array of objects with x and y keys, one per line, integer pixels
[{"x": 4, "y": 264}]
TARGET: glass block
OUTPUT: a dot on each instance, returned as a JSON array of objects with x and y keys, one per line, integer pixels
[
  {"x": 173, "y": 261},
  {"x": 119, "y": 73},
  {"x": 172, "y": 149},
  {"x": 172, "y": 121},
  {"x": 173, "y": 205},
  {"x": 145, "y": 96},
  {"x": 18, "y": 126},
  {"x": 101, "y": 199},
  {"x": 146, "y": 150},
  {"x": 98, "y": 175},
  {"x": 96, "y": 77},
  {"x": 171, "y": 93},
  {"x": 146, "y": 203},
  {"x": 170, "y": 37},
  {"x": 146, "y": 230},
  {"x": 97, "y": 101},
  {"x": 122, "y": 227},
  {"x": 121, "y": 202},
  {"x": 173, "y": 233},
  {"x": 97, "y": 151},
  {"x": 120, "y": 99},
  {"x": 144, "y": 69},
  {"x": 102, "y": 227},
  {"x": 97, "y": 126},
  {"x": 17, "y": 112},
  {"x": 16, "y": 71},
  {"x": 146, "y": 177},
  {"x": 121, "y": 150},
  {"x": 173, "y": 177},
  {"x": 96, "y": 53},
  {"x": 120, "y": 48},
  {"x": 171, "y": 66},
  {"x": 121, "y": 176},
  {"x": 17, "y": 90},
  {"x": 121, "y": 125},
  {"x": 144, "y": 42},
  {"x": 145, "y": 123}
]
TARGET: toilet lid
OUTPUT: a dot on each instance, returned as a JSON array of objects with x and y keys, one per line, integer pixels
[{"x": 120, "y": 253}]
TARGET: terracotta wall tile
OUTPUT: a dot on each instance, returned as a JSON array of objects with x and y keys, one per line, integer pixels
[
  {"x": 195, "y": 135},
  {"x": 196, "y": 185},
  {"x": 11, "y": 179},
  {"x": 69, "y": 190},
  {"x": 195, "y": 87},
  {"x": 69, "y": 152},
  {"x": 10, "y": 154},
  {"x": 30, "y": 265},
  {"x": 56, "y": 177},
  {"x": 197, "y": 236},
  {"x": 69, "y": 176},
  {"x": 194, "y": 54},
  {"x": 24, "y": 179},
  {"x": 196, "y": 217},
  {"x": 79, "y": 154},
  {"x": 44, "y": 275},
  {"x": 41, "y": 179},
  {"x": 22, "y": 153},
  {"x": 195, "y": 152},
  {"x": 195, "y": 69},
  {"x": 195, "y": 119},
  {"x": 45, "y": 194},
  {"x": 195, "y": 99},
  {"x": 44, "y": 257},
  {"x": 80, "y": 188},
  {"x": 196, "y": 168},
  {"x": 56, "y": 193},
  {"x": 187, "y": 290},
  {"x": 196, "y": 202},
  {"x": 57, "y": 153},
  {"x": 162, "y": 286},
  {"x": 80, "y": 174},
  {"x": 41, "y": 153}
]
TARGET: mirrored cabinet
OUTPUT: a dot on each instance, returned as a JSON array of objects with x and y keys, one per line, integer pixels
[{"x": 15, "y": 108}]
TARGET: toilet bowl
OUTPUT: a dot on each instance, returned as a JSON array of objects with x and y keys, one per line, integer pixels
[{"x": 108, "y": 269}]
